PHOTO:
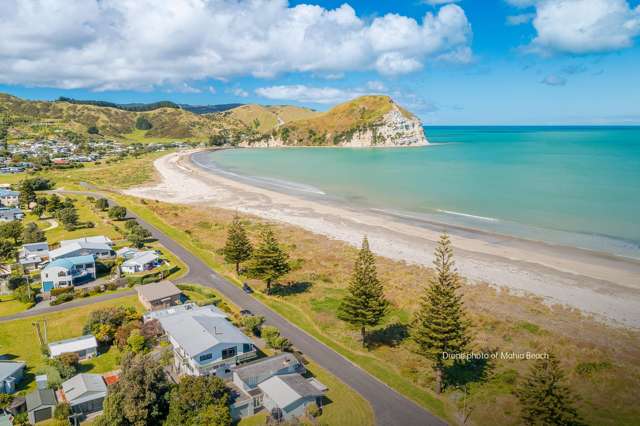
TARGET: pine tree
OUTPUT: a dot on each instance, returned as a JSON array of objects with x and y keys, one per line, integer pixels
[
  {"x": 269, "y": 261},
  {"x": 364, "y": 305},
  {"x": 238, "y": 248},
  {"x": 440, "y": 326},
  {"x": 544, "y": 397}
]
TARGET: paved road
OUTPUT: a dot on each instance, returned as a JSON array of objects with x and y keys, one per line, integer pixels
[
  {"x": 390, "y": 408},
  {"x": 68, "y": 305}
]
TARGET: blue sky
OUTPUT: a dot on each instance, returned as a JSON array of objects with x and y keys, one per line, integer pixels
[{"x": 450, "y": 62}]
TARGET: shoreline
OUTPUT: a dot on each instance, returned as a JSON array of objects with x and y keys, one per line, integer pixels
[{"x": 603, "y": 285}]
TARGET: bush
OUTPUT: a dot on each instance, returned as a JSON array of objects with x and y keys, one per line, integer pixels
[
  {"x": 102, "y": 204},
  {"x": 70, "y": 359},
  {"x": 62, "y": 411},
  {"x": 274, "y": 340},
  {"x": 312, "y": 410},
  {"x": 252, "y": 324},
  {"x": 142, "y": 123},
  {"x": 117, "y": 213},
  {"x": 63, "y": 298},
  {"x": 93, "y": 130},
  {"x": 24, "y": 294},
  {"x": 61, "y": 290}
]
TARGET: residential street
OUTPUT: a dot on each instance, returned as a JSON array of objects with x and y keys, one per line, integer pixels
[{"x": 390, "y": 407}]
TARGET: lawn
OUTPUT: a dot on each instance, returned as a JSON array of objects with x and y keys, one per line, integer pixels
[
  {"x": 9, "y": 305},
  {"x": 502, "y": 322},
  {"x": 19, "y": 340}
]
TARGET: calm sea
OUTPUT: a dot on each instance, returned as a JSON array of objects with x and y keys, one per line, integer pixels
[{"x": 575, "y": 186}]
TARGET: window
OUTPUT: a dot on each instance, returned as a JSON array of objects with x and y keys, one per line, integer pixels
[
  {"x": 62, "y": 274},
  {"x": 229, "y": 352},
  {"x": 247, "y": 347},
  {"x": 205, "y": 357}
]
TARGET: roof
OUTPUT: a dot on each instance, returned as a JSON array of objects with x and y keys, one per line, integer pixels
[
  {"x": 8, "y": 193},
  {"x": 98, "y": 239},
  {"x": 41, "y": 246},
  {"x": 70, "y": 262},
  {"x": 73, "y": 246},
  {"x": 199, "y": 329},
  {"x": 141, "y": 258},
  {"x": 266, "y": 366},
  {"x": 9, "y": 368},
  {"x": 158, "y": 291},
  {"x": 73, "y": 345},
  {"x": 175, "y": 310},
  {"x": 286, "y": 389},
  {"x": 40, "y": 397},
  {"x": 126, "y": 252},
  {"x": 84, "y": 387}
]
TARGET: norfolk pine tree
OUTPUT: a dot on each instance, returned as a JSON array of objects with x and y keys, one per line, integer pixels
[
  {"x": 269, "y": 261},
  {"x": 440, "y": 325},
  {"x": 364, "y": 305},
  {"x": 237, "y": 248},
  {"x": 544, "y": 398}
]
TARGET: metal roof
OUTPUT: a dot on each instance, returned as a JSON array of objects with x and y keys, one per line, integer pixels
[
  {"x": 286, "y": 389},
  {"x": 141, "y": 258},
  {"x": 84, "y": 387},
  {"x": 266, "y": 366},
  {"x": 9, "y": 368},
  {"x": 158, "y": 291},
  {"x": 73, "y": 245},
  {"x": 73, "y": 345},
  {"x": 70, "y": 262},
  {"x": 98, "y": 239},
  {"x": 40, "y": 397}
]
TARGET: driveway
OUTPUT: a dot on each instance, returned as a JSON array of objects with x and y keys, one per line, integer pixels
[{"x": 390, "y": 408}]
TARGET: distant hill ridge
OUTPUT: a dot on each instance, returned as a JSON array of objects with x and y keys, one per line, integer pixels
[{"x": 365, "y": 121}]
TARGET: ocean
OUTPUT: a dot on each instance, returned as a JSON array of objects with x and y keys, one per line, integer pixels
[{"x": 572, "y": 186}]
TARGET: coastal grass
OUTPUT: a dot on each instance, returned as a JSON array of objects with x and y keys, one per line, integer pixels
[
  {"x": 19, "y": 340},
  {"x": 10, "y": 305},
  {"x": 503, "y": 322}
]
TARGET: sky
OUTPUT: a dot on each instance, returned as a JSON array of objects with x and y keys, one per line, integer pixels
[{"x": 459, "y": 62}]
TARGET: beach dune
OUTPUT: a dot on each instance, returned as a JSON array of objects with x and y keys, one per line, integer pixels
[{"x": 602, "y": 285}]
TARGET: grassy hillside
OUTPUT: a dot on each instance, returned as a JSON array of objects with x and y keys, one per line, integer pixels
[{"x": 339, "y": 122}]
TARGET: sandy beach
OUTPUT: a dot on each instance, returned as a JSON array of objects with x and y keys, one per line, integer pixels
[{"x": 601, "y": 285}]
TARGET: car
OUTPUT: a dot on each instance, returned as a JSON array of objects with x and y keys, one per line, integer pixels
[
  {"x": 246, "y": 313},
  {"x": 246, "y": 288}
]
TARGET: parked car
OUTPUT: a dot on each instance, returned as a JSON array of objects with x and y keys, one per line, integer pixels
[
  {"x": 246, "y": 288},
  {"x": 246, "y": 313}
]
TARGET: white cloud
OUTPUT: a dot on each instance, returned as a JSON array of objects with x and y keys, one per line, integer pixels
[
  {"x": 303, "y": 93},
  {"x": 520, "y": 19},
  {"x": 240, "y": 92},
  {"x": 554, "y": 80},
  {"x": 376, "y": 86},
  {"x": 439, "y": 2},
  {"x": 212, "y": 90},
  {"x": 584, "y": 26},
  {"x": 123, "y": 44}
]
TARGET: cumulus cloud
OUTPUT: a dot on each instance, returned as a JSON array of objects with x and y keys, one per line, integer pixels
[
  {"x": 584, "y": 26},
  {"x": 520, "y": 19},
  {"x": 122, "y": 44},
  {"x": 240, "y": 92},
  {"x": 554, "y": 80},
  {"x": 303, "y": 93},
  {"x": 376, "y": 86},
  {"x": 439, "y": 2}
]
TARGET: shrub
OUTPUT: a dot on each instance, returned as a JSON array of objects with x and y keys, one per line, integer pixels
[
  {"x": 62, "y": 411},
  {"x": 252, "y": 324},
  {"x": 63, "y": 298},
  {"x": 117, "y": 212},
  {"x": 70, "y": 359},
  {"x": 312, "y": 410},
  {"x": 24, "y": 294},
  {"x": 61, "y": 290}
]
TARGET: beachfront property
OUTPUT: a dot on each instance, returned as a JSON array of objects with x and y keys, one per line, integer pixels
[
  {"x": 160, "y": 295},
  {"x": 100, "y": 247},
  {"x": 67, "y": 272},
  {"x": 9, "y": 198},
  {"x": 32, "y": 255},
  {"x": 40, "y": 405},
  {"x": 85, "y": 346},
  {"x": 203, "y": 339},
  {"x": 7, "y": 214},
  {"x": 11, "y": 372},
  {"x": 85, "y": 393},
  {"x": 141, "y": 261}
]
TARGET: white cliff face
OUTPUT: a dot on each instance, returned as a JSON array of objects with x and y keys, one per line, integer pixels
[{"x": 393, "y": 130}]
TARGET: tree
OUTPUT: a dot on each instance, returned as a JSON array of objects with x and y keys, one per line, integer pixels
[
  {"x": 102, "y": 204},
  {"x": 32, "y": 234},
  {"x": 364, "y": 305},
  {"x": 142, "y": 123},
  {"x": 138, "y": 235},
  {"x": 117, "y": 212},
  {"x": 62, "y": 411},
  {"x": 12, "y": 230},
  {"x": 544, "y": 397},
  {"x": 269, "y": 261},
  {"x": 68, "y": 216},
  {"x": 70, "y": 359},
  {"x": 93, "y": 130},
  {"x": 5, "y": 123},
  {"x": 196, "y": 394},
  {"x": 440, "y": 326},
  {"x": 54, "y": 204},
  {"x": 213, "y": 415},
  {"x": 38, "y": 210},
  {"x": 136, "y": 342},
  {"x": 237, "y": 248},
  {"x": 104, "y": 323},
  {"x": 140, "y": 397},
  {"x": 7, "y": 250}
]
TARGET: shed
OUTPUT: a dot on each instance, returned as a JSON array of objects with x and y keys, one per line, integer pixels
[
  {"x": 40, "y": 405},
  {"x": 85, "y": 393},
  {"x": 85, "y": 346},
  {"x": 10, "y": 374}
]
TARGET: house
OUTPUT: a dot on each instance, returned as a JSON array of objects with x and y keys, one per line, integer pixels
[
  {"x": 9, "y": 198},
  {"x": 11, "y": 373},
  {"x": 40, "y": 405},
  {"x": 204, "y": 341},
  {"x": 287, "y": 396},
  {"x": 83, "y": 246},
  {"x": 126, "y": 252},
  {"x": 7, "y": 214},
  {"x": 160, "y": 295},
  {"x": 85, "y": 346},
  {"x": 85, "y": 393},
  {"x": 32, "y": 255},
  {"x": 246, "y": 395},
  {"x": 141, "y": 261},
  {"x": 66, "y": 272}
]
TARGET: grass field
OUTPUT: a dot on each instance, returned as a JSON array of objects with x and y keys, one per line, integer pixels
[
  {"x": 9, "y": 305},
  {"x": 18, "y": 339}
]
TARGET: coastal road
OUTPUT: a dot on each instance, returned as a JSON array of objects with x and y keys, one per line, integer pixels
[{"x": 390, "y": 408}]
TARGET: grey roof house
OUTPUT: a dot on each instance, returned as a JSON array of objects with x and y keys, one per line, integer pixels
[
  {"x": 40, "y": 405},
  {"x": 7, "y": 214},
  {"x": 11, "y": 373},
  {"x": 85, "y": 393},
  {"x": 288, "y": 395},
  {"x": 160, "y": 295}
]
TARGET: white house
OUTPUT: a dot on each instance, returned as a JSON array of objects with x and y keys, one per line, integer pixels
[
  {"x": 7, "y": 214},
  {"x": 96, "y": 246},
  {"x": 85, "y": 346},
  {"x": 204, "y": 341},
  {"x": 127, "y": 252},
  {"x": 68, "y": 271},
  {"x": 141, "y": 261},
  {"x": 288, "y": 395},
  {"x": 9, "y": 198},
  {"x": 33, "y": 254}
]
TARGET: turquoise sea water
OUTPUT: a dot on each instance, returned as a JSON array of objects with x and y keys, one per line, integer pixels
[{"x": 576, "y": 186}]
